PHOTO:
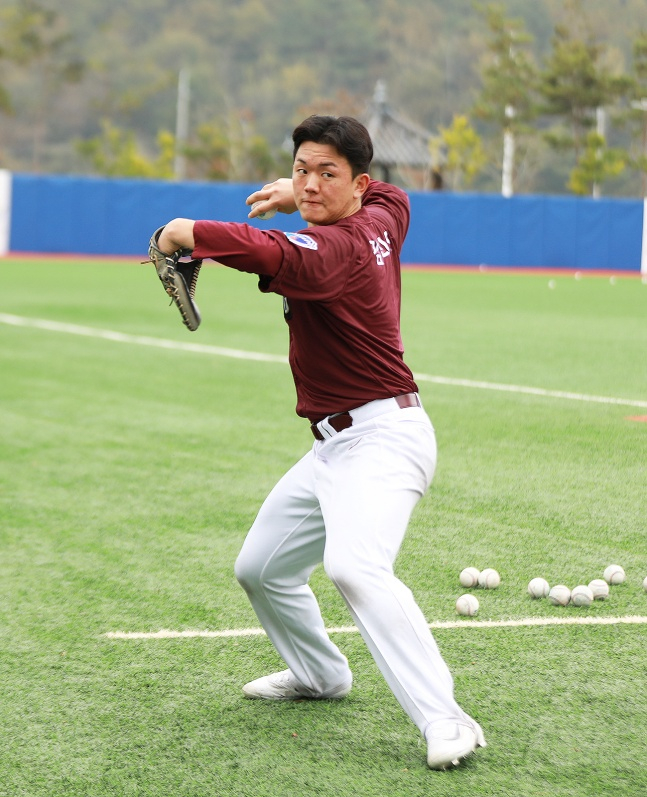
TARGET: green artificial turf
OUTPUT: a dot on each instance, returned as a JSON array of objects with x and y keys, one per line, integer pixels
[{"x": 129, "y": 475}]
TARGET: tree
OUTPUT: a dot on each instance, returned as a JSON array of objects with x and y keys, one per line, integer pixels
[
  {"x": 574, "y": 84},
  {"x": 230, "y": 151},
  {"x": 638, "y": 113},
  {"x": 274, "y": 62},
  {"x": 36, "y": 37},
  {"x": 508, "y": 81},
  {"x": 465, "y": 156},
  {"x": 597, "y": 164},
  {"x": 25, "y": 29},
  {"x": 115, "y": 153},
  {"x": 5, "y": 98}
]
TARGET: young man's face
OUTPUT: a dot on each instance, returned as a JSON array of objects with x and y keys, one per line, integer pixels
[{"x": 324, "y": 187}]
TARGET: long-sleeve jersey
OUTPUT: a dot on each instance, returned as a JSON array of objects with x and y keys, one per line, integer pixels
[{"x": 342, "y": 293}]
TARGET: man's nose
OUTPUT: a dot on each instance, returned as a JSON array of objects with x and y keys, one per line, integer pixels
[{"x": 312, "y": 183}]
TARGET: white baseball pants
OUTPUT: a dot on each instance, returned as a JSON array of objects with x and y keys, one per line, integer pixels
[{"x": 348, "y": 503}]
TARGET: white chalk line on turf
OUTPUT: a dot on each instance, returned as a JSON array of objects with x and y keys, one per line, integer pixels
[
  {"x": 203, "y": 348},
  {"x": 532, "y": 391},
  {"x": 527, "y": 622},
  {"x": 137, "y": 340}
]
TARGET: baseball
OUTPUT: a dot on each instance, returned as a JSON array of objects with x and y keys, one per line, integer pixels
[
  {"x": 268, "y": 213},
  {"x": 559, "y": 595},
  {"x": 614, "y": 574},
  {"x": 489, "y": 578},
  {"x": 538, "y": 588},
  {"x": 469, "y": 577},
  {"x": 599, "y": 588},
  {"x": 645, "y": 584},
  {"x": 467, "y": 604},
  {"x": 582, "y": 596}
]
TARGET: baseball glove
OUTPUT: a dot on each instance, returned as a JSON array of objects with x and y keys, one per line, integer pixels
[{"x": 179, "y": 278}]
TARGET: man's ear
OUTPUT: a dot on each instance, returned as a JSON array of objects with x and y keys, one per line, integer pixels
[{"x": 361, "y": 184}]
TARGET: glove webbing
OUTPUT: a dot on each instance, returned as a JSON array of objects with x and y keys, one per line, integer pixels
[{"x": 188, "y": 273}]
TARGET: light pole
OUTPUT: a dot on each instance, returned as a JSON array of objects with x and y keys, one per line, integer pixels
[
  {"x": 507, "y": 188},
  {"x": 600, "y": 127},
  {"x": 641, "y": 105},
  {"x": 182, "y": 123}
]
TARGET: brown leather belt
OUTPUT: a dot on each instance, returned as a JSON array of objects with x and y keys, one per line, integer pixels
[{"x": 342, "y": 420}]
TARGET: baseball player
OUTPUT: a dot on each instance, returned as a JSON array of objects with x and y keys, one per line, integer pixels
[{"x": 348, "y": 501}]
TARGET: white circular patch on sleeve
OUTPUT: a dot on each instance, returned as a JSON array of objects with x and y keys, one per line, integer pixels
[{"x": 300, "y": 239}]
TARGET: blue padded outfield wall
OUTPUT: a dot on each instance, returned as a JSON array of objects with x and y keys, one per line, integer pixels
[{"x": 103, "y": 216}]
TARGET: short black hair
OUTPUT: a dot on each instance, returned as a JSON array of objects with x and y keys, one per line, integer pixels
[{"x": 345, "y": 133}]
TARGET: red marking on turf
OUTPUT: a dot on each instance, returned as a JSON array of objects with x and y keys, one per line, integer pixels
[{"x": 639, "y": 418}]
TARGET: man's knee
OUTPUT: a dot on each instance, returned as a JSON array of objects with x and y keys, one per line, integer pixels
[
  {"x": 248, "y": 571},
  {"x": 258, "y": 573},
  {"x": 351, "y": 579}
]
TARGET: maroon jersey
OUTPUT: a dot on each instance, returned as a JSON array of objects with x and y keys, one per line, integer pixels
[{"x": 341, "y": 289}]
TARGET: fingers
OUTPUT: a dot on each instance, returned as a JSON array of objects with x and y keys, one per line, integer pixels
[
  {"x": 257, "y": 210},
  {"x": 261, "y": 195},
  {"x": 259, "y": 207},
  {"x": 272, "y": 197}
]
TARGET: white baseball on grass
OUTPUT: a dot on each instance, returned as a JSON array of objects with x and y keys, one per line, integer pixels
[
  {"x": 599, "y": 588},
  {"x": 614, "y": 574},
  {"x": 268, "y": 214},
  {"x": 645, "y": 584},
  {"x": 581, "y": 595},
  {"x": 538, "y": 588},
  {"x": 469, "y": 577},
  {"x": 467, "y": 604},
  {"x": 559, "y": 595},
  {"x": 489, "y": 578}
]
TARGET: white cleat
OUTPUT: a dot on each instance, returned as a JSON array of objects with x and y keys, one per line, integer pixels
[
  {"x": 448, "y": 743},
  {"x": 284, "y": 686}
]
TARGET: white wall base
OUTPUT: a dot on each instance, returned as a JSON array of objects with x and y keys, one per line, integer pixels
[{"x": 5, "y": 210}]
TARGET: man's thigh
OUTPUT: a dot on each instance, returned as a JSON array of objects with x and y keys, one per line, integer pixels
[
  {"x": 369, "y": 484},
  {"x": 288, "y": 535}
]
